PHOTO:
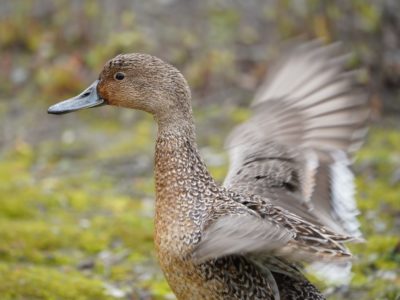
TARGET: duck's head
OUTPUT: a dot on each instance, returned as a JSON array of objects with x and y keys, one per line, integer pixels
[{"x": 138, "y": 81}]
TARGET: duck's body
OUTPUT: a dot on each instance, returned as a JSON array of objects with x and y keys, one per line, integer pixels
[
  {"x": 237, "y": 241},
  {"x": 187, "y": 201}
]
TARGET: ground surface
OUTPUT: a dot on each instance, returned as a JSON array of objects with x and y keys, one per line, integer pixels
[{"x": 76, "y": 191}]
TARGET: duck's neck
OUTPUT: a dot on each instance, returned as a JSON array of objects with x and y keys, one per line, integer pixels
[
  {"x": 180, "y": 173},
  {"x": 177, "y": 160}
]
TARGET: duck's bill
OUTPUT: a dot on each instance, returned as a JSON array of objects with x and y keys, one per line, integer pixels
[{"x": 87, "y": 99}]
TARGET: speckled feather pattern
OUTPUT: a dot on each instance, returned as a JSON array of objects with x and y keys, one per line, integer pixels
[
  {"x": 216, "y": 242},
  {"x": 186, "y": 196},
  {"x": 189, "y": 200},
  {"x": 308, "y": 118}
]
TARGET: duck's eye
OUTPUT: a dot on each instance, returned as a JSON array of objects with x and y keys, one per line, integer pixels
[{"x": 119, "y": 76}]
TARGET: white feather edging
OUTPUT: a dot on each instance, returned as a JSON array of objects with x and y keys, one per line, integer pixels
[
  {"x": 343, "y": 190},
  {"x": 333, "y": 273}
]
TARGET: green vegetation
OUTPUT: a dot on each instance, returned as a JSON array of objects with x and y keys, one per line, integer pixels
[
  {"x": 70, "y": 238},
  {"x": 77, "y": 237},
  {"x": 76, "y": 192}
]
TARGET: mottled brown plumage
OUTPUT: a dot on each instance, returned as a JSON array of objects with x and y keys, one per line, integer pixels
[
  {"x": 213, "y": 242},
  {"x": 309, "y": 117}
]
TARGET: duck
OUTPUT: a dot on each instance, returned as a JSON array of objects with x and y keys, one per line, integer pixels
[{"x": 288, "y": 197}]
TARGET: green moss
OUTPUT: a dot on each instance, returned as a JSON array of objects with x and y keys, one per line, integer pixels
[
  {"x": 50, "y": 224},
  {"x": 159, "y": 288},
  {"x": 29, "y": 282}
]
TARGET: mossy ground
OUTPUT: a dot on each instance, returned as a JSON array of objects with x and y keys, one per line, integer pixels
[
  {"x": 76, "y": 192},
  {"x": 75, "y": 235}
]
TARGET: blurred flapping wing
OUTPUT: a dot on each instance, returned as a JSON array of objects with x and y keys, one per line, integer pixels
[{"x": 308, "y": 119}]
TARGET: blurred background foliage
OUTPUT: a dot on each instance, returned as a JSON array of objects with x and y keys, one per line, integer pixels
[{"x": 76, "y": 192}]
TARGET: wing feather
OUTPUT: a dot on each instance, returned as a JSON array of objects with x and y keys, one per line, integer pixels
[
  {"x": 309, "y": 117},
  {"x": 273, "y": 232}
]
